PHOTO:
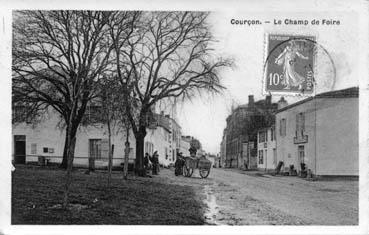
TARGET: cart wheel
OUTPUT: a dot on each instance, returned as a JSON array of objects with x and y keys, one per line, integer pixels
[
  {"x": 204, "y": 172},
  {"x": 187, "y": 171}
]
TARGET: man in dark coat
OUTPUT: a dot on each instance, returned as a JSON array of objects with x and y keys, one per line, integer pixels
[
  {"x": 179, "y": 165},
  {"x": 155, "y": 162},
  {"x": 146, "y": 161}
]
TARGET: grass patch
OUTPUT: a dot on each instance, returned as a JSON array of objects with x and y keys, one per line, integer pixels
[{"x": 38, "y": 192}]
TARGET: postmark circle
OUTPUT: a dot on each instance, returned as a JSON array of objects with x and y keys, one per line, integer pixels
[{"x": 297, "y": 65}]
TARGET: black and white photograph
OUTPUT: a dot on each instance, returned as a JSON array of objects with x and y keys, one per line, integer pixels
[{"x": 184, "y": 117}]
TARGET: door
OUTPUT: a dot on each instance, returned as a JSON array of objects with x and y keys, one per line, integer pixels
[
  {"x": 20, "y": 149},
  {"x": 274, "y": 158},
  {"x": 301, "y": 155},
  {"x": 95, "y": 152}
]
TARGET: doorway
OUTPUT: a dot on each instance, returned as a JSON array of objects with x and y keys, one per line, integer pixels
[
  {"x": 95, "y": 152},
  {"x": 301, "y": 155},
  {"x": 274, "y": 158},
  {"x": 20, "y": 149}
]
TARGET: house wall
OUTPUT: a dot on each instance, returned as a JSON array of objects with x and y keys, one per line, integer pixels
[
  {"x": 185, "y": 146},
  {"x": 159, "y": 137},
  {"x": 337, "y": 137},
  {"x": 48, "y": 134},
  {"x": 267, "y": 147},
  {"x": 332, "y": 136},
  {"x": 175, "y": 141},
  {"x": 287, "y": 150}
]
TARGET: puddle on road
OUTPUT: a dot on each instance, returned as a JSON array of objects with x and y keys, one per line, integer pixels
[{"x": 212, "y": 211}]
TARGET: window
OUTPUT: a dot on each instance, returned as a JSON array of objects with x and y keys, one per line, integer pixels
[
  {"x": 266, "y": 136},
  {"x": 262, "y": 136},
  {"x": 46, "y": 150},
  {"x": 272, "y": 134},
  {"x": 20, "y": 114},
  {"x": 95, "y": 148},
  {"x": 149, "y": 148},
  {"x": 94, "y": 113},
  {"x": 33, "y": 148},
  {"x": 261, "y": 160},
  {"x": 282, "y": 126},
  {"x": 301, "y": 153},
  {"x": 300, "y": 124},
  {"x": 166, "y": 153}
]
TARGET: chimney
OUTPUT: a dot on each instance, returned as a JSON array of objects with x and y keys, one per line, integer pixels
[
  {"x": 251, "y": 101},
  {"x": 282, "y": 103},
  {"x": 268, "y": 99}
]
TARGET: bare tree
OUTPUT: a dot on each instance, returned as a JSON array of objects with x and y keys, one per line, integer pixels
[
  {"x": 167, "y": 55},
  {"x": 58, "y": 56},
  {"x": 109, "y": 99}
]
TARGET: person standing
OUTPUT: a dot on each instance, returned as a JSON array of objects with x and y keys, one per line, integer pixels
[
  {"x": 179, "y": 165},
  {"x": 155, "y": 162},
  {"x": 146, "y": 162}
]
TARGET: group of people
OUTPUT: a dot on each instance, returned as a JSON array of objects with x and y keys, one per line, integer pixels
[
  {"x": 154, "y": 159},
  {"x": 181, "y": 161}
]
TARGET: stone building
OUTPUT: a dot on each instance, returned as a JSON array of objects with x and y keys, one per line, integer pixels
[{"x": 241, "y": 131}]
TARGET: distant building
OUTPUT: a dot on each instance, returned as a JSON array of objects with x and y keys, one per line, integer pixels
[
  {"x": 267, "y": 152},
  {"x": 241, "y": 131},
  {"x": 213, "y": 159},
  {"x": 223, "y": 146},
  {"x": 176, "y": 135},
  {"x": 217, "y": 162},
  {"x": 164, "y": 137},
  {"x": 158, "y": 138},
  {"x": 185, "y": 145},
  {"x": 321, "y": 132}
]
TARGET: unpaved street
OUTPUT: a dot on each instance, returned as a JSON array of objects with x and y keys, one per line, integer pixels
[{"x": 249, "y": 198}]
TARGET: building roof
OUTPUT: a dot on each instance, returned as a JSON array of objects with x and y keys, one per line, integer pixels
[
  {"x": 352, "y": 92},
  {"x": 162, "y": 121}
]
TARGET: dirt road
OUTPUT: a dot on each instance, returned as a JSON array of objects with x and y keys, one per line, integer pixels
[{"x": 249, "y": 198}]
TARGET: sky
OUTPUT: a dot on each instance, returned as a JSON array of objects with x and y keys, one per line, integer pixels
[{"x": 204, "y": 117}]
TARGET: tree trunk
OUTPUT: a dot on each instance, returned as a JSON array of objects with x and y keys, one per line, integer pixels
[
  {"x": 126, "y": 156},
  {"x": 64, "y": 163},
  {"x": 110, "y": 155},
  {"x": 71, "y": 140},
  {"x": 140, "y": 142}
]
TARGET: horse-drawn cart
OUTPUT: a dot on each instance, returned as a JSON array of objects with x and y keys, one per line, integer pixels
[{"x": 192, "y": 163}]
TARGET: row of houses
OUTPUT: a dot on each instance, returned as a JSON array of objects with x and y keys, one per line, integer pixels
[
  {"x": 318, "y": 133},
  {"x": 46, "y": 140}
]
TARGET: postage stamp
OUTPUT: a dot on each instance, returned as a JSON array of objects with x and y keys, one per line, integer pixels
[{"x": 290, "y": 64}]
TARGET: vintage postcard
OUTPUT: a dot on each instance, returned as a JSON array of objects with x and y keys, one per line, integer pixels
[{"x": 195, "y": 117}]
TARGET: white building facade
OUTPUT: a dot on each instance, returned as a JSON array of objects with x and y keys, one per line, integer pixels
[
  {"x": 267, "y": 149},
  {"x": 321, "y": 132},
  {"x": 46, "y": 140}
]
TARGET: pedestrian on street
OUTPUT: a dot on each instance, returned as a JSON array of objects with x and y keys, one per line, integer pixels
[
  {"x": 179, "y": 165},
  {"x": 155, "y": 162},
  {"x": 146, "y": 162}
]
